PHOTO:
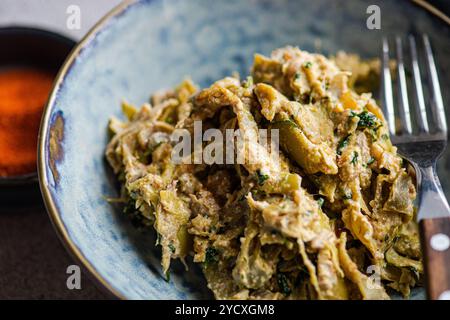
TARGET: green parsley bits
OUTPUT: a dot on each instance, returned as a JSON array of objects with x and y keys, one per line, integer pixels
[
  {"x": 320, "y": 201},
  {"x": 342, "y": 144},
  {"x": 354, "y": 158},
  {"x": 367, "y": 120},
  {"x": 283, "y": 283},
  {"x": 211, "y": 256},
  {"x": 261, "y": 178}
]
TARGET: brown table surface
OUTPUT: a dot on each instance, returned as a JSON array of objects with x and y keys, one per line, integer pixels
[{"x": 33, "y": 261}]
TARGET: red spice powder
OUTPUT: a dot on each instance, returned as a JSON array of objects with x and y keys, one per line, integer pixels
[{"x": 23, "y": 94}]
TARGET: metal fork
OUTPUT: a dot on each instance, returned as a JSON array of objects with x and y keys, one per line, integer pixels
[{"x": 422, "y": 148}]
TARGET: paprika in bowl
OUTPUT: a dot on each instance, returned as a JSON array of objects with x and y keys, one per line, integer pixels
[{"x": 29, "y": 60}]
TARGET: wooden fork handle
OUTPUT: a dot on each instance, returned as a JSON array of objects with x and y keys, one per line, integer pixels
[{"x": 435, "y": 235}]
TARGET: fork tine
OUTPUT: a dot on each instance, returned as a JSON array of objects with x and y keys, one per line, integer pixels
[
  {"x": 387, "y": 89},
  {"x": 437, "y": 104},
  {"x": 403, "y": 101},
  {"x": 420, "y": 101}
]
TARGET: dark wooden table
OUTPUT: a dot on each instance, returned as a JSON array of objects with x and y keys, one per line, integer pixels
[{"x": 33, "y": 262}]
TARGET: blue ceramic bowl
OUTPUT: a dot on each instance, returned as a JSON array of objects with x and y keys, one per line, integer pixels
[{"x": 142, "y": 46}]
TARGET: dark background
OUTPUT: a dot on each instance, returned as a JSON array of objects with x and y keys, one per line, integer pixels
[
  {"x": 33, "y": 261},
  {"x": 443, "y": 5}
]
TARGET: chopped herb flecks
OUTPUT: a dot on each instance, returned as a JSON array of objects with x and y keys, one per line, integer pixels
[
  {"x": 211, "y": 256},
  {"x": 367, "y": 120},
  {"x": 261, "y": 177},
  {"x": 371, "y": 160},
  {"x": 320, "y": 201},
  {"x": 355, "y": 158},
  {"x": 283, "y": 283},
  {"x": 342, "y": 144},
  {"x": 308, "y": 65},
  {"x": 297, "y": 76},
  {"x": 172, "y": 248},
  {"x": 170, "y": 120}
]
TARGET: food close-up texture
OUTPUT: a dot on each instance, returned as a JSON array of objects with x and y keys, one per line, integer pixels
[{"x": 331, "y": 216}]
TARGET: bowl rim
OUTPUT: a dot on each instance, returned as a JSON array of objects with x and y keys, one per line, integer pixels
[
  {"x": 49, "y": 202},
  {"x": 50, "y": 205}
]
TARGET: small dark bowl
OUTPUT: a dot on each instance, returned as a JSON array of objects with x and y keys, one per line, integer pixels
[{"x": 24, "y": 46}]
